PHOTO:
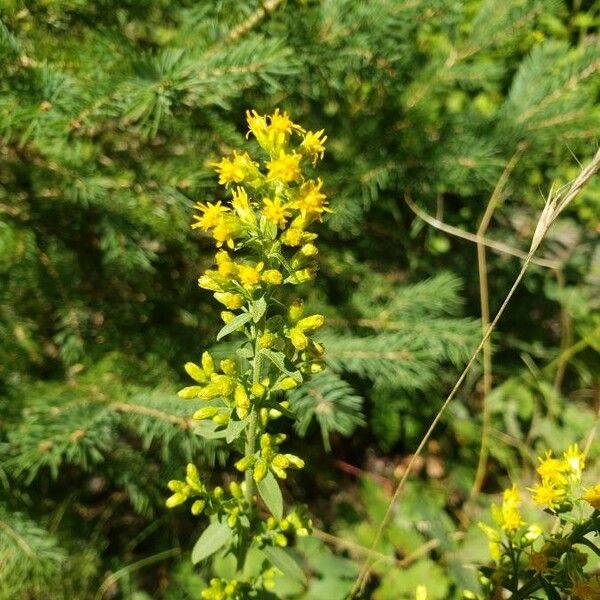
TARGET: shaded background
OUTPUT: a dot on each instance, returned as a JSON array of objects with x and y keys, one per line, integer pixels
[{"x": 111, "y": 112}]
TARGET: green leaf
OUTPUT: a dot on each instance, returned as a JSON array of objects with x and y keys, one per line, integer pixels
[
  {"x": 283, "y": 560},
  {"x": 234, "y": 324},
  {"x": 234, "y": 429},
  {"x": 269, "y": 491},
  {"x": 278, "y": 359},
  {"x": 258, "y": 309},
  {"x": 213, "y": 538},
  {"x": 208, "y": 430},
  {"x": 245, "y": 352}
]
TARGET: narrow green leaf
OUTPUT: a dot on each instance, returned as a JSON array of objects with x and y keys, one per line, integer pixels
[
  {"x": 278, "y": 359},
  {"x": 234, "y": 429},
  {"x": 213, "y": 538},
  {"x": 269, "y": 491},
  {"x": 208, "y": 430},
  {"x": 234, "y": 324},
  {"x": 258, "y": 309},
  {"x": 283, "y": 560}
]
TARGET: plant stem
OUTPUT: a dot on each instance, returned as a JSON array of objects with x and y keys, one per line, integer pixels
[{"x": 250, "y": 445}]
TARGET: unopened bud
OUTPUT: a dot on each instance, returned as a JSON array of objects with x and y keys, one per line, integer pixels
[
  {"x": 231, "y": 301},
  {"x": 311, "y": 323},
  {"x": 227, "y": 316},
  {"x": 221, "y": 419},
  {"x": 195, "y": 372},
  {"x": 298, "y": 339},
  {"x": 208, "y": 412},
  {"x": 192, "y": 391},
  {"x": 260, "y": 470},
  {"x": 198, "y": 507},
  {"x": 295, "y": 310},
  {"x": 208, "y": 364},
  {"x": 287, "y": 383},
  {"x": 228, "y": 366}
]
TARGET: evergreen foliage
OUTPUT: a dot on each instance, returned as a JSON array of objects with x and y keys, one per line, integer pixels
[{"x": 111, "y": 112}]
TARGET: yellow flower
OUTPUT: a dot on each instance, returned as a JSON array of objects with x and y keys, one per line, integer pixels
[
  {"x": 236, "y": 169},
  {"x": 547, "y": 495},
  {"x": 575, "y": 460},
  {"x": 225, "y": 266},
  {"x": 508, "y": 516},
  {"x": 592, "y": 496},
  {"x": 552, "y": 470},
  {"x": 292, "y": 236},
  {"x": 250, "y": 276},
  {"x": 313, "y": 145},
  {"x": 211, "y": 215},
  {"x": 257, "y": 125},
  {"x": 241, "y": 204},
  {"x": 284, "y": 168},
  {"x": 272, "y": 277},
  {"x": 225, "y": 231},
  {"x": 275, "y": 211},
  {"x": 310, "y": 200}
]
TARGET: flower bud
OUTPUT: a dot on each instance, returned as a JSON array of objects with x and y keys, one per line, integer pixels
[
  {"x": 292, "y": 236},
  {"x": 228, "y": 366},
  {"x": 231, "y": 301},
  {"x": 227, "y": 316},
  {"x": 244, "y": 463},
  {"x": 176, "y": 486},
  {"x": 258, "y": 390},
  {"x": 175, "y": 500},
  {"x": 221, "y": 419},
  {"x": 260, "y": 470},
  {"x": 218, "y": 492},
  {"x": 302, "y": 276},
  {"x": 295, "y": 310},
  {"x": 311, "y": 323},
  {"x": 264, "y": 416},
  {"x": 198, "y": 507},
  {"x": 195, "y": 372},
  {"x": 272, "y": 277},
  {"x": 309, "y": 250},
  {"x": 208, "y": 364},
  {"x": 295, "y": 461},
  {"x": 208, "y": 283},
  {"x": 192, "y": 391},
  {"x": 298, "y": 339},
  {"x": 208, "y": 412},
  {"x": 236, "y": 490},
  {"x": 280, "y": 461},
  {"x": 288, "y": 383},
  {"x": 280, "y": 540}
]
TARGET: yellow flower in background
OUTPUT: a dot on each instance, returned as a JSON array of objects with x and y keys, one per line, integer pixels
[
  {"x": 313, "y": 145},
  {"x": 592, "y": 496},
  {"x": 552, "y": 469},
  {"x": 421, "y": 592},
  {"x": 285, "y": 168},
  {"x": 276, "y": 212},
  {"x": 547, "y": 495},
  {"x": 508, "y": 516},
  {"x": 575, "y": 459},
  {"x": 210, "y": 215}
]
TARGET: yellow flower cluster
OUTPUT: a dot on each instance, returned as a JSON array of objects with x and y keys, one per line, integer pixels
[
  {"x": 508, "y": 516},
  {"x": 558, "y": 477},
  {"x": 273, "y": 192}
]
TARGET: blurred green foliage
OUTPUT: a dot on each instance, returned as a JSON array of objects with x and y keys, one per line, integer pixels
[{"x": 111, "y": 112}]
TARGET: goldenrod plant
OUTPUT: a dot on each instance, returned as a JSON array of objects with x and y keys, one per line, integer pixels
[
  {"x": 264, "y": 249},
  {"x": 548, "y": 557}
]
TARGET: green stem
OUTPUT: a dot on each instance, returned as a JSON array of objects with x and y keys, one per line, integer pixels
[{"x": 250, "y": 446}]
